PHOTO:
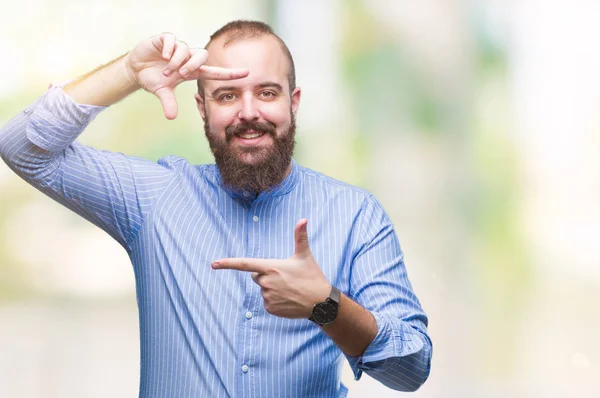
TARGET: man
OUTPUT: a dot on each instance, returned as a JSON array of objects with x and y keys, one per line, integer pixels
[{"x": 237, "y": 296}]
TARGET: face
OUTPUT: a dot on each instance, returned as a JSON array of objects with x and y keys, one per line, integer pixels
[{"x": 250, "y": 122}]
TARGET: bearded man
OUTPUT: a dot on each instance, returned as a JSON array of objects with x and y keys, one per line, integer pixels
[{"x": 255, "y": 276}]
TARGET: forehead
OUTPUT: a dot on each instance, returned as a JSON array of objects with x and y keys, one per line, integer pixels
[{"x": 262, "y": 56}]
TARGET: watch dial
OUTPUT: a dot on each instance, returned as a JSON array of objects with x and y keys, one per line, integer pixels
[{"x": 325, "y": 312}]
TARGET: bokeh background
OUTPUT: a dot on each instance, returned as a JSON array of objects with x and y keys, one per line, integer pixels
[{"x": 475, "y": 122}]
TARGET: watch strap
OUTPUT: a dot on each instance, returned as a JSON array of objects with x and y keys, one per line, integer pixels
[{"x": 335, "y": 294}]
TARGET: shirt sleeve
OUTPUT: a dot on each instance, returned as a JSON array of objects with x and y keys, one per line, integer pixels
[
  {"x": 112, "y": 190},
  {"x": 400, "y": 354}
]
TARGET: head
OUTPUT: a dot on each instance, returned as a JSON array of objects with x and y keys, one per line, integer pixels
[{"x": 250, "y": 122}]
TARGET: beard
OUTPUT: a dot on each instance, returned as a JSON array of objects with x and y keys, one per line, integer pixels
[{"x": 268, "y": 166}]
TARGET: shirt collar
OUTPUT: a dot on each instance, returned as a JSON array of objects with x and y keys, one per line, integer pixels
[{"x": 283, "y": 188}]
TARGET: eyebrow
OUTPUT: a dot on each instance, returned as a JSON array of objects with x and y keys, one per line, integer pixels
[
  {"x": 273, "y": 85},
  {"x": 220, "y": 89}
]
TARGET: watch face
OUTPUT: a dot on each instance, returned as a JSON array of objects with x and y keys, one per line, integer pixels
[{"x": 324, "y": 312}]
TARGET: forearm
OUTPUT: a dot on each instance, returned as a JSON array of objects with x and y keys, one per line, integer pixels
[
  {"x": 101, "y": 186},
  {"x": 19, "y": 153},
  {"x": 26, "y": 147},
  {"x": 373, "y": 345},
  {"x": 32, "y": 140},
  {"x": 353, "y": 329},
  {"x": 104, "y": 85},
  {"x": 399, "y": 356}
]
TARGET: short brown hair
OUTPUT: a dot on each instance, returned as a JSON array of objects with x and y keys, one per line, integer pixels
[{"x": 243, "y": 30}]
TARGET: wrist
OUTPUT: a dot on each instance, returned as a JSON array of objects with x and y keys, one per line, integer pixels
[
  {"x": 104, "y": 85},
  {"x": 130, "y": 75},
  {"x": 318, "y": 294},
  {"x": 325, "y": 311}
]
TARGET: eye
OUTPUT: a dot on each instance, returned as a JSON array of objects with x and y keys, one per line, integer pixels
[
  {"x": 227, "y": 97},
  {"x": 268, "y": 94}
]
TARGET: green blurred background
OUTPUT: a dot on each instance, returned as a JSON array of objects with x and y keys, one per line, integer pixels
[{"x": 474, "y": 122}]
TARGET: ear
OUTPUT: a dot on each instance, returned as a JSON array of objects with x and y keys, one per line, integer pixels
[
  {"x": 296, "y": 94},
  {"x": 200, "y": 105}
]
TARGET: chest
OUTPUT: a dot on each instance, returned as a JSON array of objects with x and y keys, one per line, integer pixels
[{"x": 189, "y": 230}]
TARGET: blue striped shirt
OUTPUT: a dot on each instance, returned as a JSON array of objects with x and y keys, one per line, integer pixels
[{"x": 205, "y": 333}]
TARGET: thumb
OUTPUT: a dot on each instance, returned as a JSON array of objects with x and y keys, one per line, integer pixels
[
  {"x": 166, "y": 95},
  {"x": 301, "y": 238}
]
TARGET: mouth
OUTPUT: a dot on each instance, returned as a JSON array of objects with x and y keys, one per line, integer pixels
[{"x": 250, "y": 134}]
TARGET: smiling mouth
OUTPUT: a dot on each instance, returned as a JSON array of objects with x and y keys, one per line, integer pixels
[{"x": 250, "y": 134}]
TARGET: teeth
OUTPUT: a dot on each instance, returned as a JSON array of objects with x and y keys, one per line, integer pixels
[{"x": 251, "y": 136}]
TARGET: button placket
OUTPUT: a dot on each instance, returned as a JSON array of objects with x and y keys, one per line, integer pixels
[{"x": 250, "y": 351}]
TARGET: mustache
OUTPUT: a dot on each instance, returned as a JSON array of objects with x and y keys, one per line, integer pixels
[{"x": 266, "y": 128}]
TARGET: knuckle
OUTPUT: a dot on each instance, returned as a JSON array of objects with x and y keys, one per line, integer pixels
[
  {"x": 166, "y": 35},
  {"x": 269, "y": 308},
  {"x": 201, "y": 55}
]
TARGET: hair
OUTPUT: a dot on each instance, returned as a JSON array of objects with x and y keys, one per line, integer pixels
[{"x": 245, "y": 30}]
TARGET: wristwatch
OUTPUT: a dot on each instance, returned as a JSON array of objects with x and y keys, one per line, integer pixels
[{"x": 326, "y": 311}]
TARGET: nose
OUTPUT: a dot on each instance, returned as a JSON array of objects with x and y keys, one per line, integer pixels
[{"x": 249, "y": 110}]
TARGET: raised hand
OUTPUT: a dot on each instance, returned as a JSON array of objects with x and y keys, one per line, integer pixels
[
  {"x": 290, "y": 287},
  {"x": 159, "y": 63}
]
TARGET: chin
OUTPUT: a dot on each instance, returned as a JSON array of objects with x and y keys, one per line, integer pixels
[
  {"x": 254, "y": 156},
  {"x": 251, "y": 160}
]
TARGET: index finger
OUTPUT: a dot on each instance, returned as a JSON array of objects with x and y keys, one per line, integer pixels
[
  {"x": 218, "y": 73},
  {"x": 243, "y": 264}
]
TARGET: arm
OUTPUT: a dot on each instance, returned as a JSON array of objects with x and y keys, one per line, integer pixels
[
  {"x": 380, "y": 327},
  {"x": 153, "y": 65},
  {"x": 39, "y": 143},
  {"x": 103, "y": 187},
  {"x": 399, "y": 356},
  {"x": 353, "y": 329},
  {"x": 104, "y": 85}
]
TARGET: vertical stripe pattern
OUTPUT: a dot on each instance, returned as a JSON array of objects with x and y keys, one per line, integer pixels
[{"x": 205, "y": 332}]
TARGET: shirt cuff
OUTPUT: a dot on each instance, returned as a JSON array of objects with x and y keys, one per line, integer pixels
[
  {"x": 393, "y": 339},
  {"x": 56, "y": 120}
]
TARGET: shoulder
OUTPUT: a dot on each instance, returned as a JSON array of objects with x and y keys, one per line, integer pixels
[
  {"x": 182, "y": 166},
  {"x": 332, "y": 187},
  {"x": 347, "y": 195}
]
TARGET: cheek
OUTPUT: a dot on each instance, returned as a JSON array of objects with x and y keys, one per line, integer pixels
[
  {"x": 220, "y": 118},
  {"x": 279, "y": 115}
]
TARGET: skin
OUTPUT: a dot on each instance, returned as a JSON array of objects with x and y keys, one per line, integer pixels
[
  {"x": 257, "y": 92},
  {"x": 262, "y": 96}
]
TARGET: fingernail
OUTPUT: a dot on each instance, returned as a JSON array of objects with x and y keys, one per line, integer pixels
[
  {"x": 216, "y": 265},
  {"x": 183, "y": 72},
  {"x": 167, "y": 72}
]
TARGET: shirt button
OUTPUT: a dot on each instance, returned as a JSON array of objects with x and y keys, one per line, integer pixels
[
  {"x": 245, "y": 368},
  {"x": 246, "y": 194},
  {"x": 255, "y": 218},
  {"x": 248, "y": 315}
]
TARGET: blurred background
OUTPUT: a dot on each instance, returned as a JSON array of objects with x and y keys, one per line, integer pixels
[{"x": 475, "y": 122}]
